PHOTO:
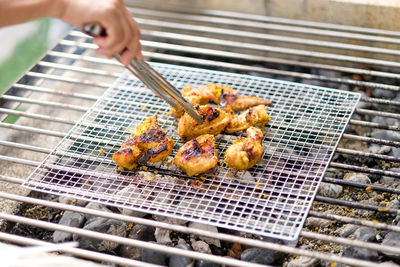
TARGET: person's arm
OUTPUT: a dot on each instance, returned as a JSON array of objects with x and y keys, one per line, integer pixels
[{"x": 122, "y": 30}]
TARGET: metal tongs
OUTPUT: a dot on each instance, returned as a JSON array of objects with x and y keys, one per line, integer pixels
[{"x": 151, "y": 79}]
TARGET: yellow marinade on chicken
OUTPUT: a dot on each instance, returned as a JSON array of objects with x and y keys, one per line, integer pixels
[
  {"x": 148, "y": 139},
  {"x": 128, "y": 155},
  {"x": 215, "y": 121},
  {"x": 244, "y": 153},
  {"x": 214, "y": 93},
  {"x": 197, "y": 155},
  {"x": 254, "y": 116}
]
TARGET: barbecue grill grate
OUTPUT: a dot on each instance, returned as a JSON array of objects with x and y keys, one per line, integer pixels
[{"x": 271, "y": 199}]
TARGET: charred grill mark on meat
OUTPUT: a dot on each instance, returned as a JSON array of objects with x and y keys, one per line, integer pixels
[
  {"x": 197, "y": 155},
  {"x": 149, "y": 139}
]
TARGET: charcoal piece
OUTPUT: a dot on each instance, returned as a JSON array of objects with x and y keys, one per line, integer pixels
[
  {"x": 102, "y": 225},
  {"x": 180, "y": 261},
  {"x": 72, "y": 219},
  {"x": 261, "y": 256},
  {"x": 155, "y": 257}
]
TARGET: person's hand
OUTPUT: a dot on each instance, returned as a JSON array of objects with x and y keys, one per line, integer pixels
[{"x": 122, "y": 31}]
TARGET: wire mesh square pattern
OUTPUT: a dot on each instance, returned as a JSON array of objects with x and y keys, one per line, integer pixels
[{"x": 270, "y": 199}]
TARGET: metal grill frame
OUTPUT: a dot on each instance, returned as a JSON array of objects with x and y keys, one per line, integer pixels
[
  {"x": 161, "y": 46},
  {"x": 307, "y": 124}
]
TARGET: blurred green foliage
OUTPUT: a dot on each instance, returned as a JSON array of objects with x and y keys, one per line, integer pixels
[{"x": 26, "y": 53}]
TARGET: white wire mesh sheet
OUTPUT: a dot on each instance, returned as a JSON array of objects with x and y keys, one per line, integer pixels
[{"x": 271, "y": 199}]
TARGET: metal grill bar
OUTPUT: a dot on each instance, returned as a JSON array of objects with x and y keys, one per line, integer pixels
[
  {"x": 36, "y": 116},
  {"x": 274, "y": 49},
  {"x": 366, "y": 154},
  {"x": 249, "y": 22},
  {"x": 123, "y": 240},
  {"x": 42, "y": 103},
  {"x": 30, "y": 129},
  {"x": 182, "y": 229},
  {"x": 365, "y": 170},
  {"x": 214, "y": 52},
  {"x": 86, "y": 254},
  {"x": 54, "y": 92},
  {"x": 155, "y": 50},
  {"x": 371, "y": 140},
  {"x": 334, "y": 217},
  {"x": 356, "y": 205},
  {"x": 19, "y": 161},
  {"x": 267, "y": 37},
  {"x": 265, "y": 70},
  {"x": 11, "y": 179},
  {"x": 361, "y": 185}
]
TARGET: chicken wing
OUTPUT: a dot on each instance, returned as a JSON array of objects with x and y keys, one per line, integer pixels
[
  {"x": 197, "y": 155},
  {"x": 244, "y": 153},
  {"x": 254, "y": 116},
  {"x": 233, "y": 102},
  {"x": 218, "y": 94},
  {"x": 194, "y": 97},
  {"x": 215, "y": 121},
  {"x": 149, "y": 139}
]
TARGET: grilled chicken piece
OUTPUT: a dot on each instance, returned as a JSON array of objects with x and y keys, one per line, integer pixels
[
  {"x": 197, "y": 155},
  {"x": 194, "y": 97},
  {"x": 254, "y": 116},
  {"x": 152, "y": 140},
  {"x": 128, "y": 155},
  {"x": 215, "y": 121},
  {"x": 161, "y": 151},
  {"x": 148, "y": 138},
  {"x": 231, "y": 101},
  {"x": 244, "y": 153}
]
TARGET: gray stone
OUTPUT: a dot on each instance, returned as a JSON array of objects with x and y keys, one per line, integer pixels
[
  {"x": 210, "y": 228},
  {"x": 72, "y": 219},
  {"x": 169, "y": 220},
  {"x": 191, "y": 203},
  {"x": 303, "y": 261},
  {"x": 95, "y": 206},
  {"x": 388, "y": 135},
  {"x": 131, "y": 192},
  {"x": 317, "y": 222},
  {"x": 72, "y": 201},
  {"x": 261, "y": 256},
  {"x": 155, "y": 257},
  {"x": 395, "y": 152},
  {"x": 365, "y": 234},
  {"x": 330, "y": 190},
  {"x": 392, "y": 239},
  {"x": 363, "y": 104},
  {"x": 138, "y": 232},
  {"x": 201, "y": 246},
  {"x": 346, "y": 230},
  {"x": 382, "y": 93},
  {"x": 377, "y": 149},
  {"x": 102, "y": 225},
  {"x": 388, "y": 264},
  {"x": 180, "y": 261},
  {"x": 357, "y": 178},
  {"x": 391, "y": 180},
  {"x": 203, "y": 263},
  {"x": 163, "y": 236},
  {"x": 367, "y": 213}
]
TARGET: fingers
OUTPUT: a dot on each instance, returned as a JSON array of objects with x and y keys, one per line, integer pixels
[
  {"x": 123, "y": 36},
  {"x": 134, "y": 45},
  {"x": 117, "y": 36}
]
